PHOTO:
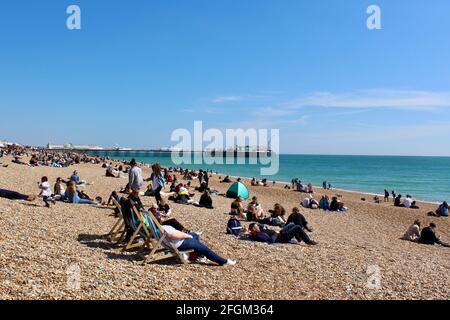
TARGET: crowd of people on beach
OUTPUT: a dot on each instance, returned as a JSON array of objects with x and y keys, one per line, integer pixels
[{"x": 275, "y": 226}]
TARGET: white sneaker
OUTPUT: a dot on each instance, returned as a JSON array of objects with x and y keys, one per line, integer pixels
[
  {"x": 185, "y": 257},
  {"x": 230, "y": 263},
  {"x": 199, "y": 233}
]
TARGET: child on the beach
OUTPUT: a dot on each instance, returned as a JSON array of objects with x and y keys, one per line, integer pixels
[{"x": 46, "y": 192}]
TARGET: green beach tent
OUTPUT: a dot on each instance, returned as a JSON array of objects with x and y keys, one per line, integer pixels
[{"x": 238, "y": 189}]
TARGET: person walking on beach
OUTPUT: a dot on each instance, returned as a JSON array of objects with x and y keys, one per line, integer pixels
[
  {"x": 324, "y": 184},
  {"x": 158, "y": 182},
  {"x": 135, "y": 179},
  {"x": 46, "y": 192},
  {"x": 394, "y": 195},
  {"x": 386, "y": 195}
]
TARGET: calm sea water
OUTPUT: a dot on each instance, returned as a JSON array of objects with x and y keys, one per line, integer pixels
[{"x": 425, "y": 178}]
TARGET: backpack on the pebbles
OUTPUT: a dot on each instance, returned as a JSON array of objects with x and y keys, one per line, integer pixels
[{"x": 234, "y": 226}]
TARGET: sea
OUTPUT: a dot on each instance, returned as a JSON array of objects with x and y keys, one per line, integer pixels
[{"x": 424, "y": 178}]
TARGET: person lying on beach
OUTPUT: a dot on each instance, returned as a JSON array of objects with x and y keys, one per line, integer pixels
[
  {"x": 13, "y": 195},
  {"x": 18, "y": 161},
  {"x": 191, "y": 241},
  {"x": 442, "y": 211},
  {"x": 254, "y": 210},
  {"x": 413, "y": 232},
  {"x": 3, "y": 165},
  {"x": 261, "y": 233},
  {"x": 337, "y": 205},
  {"x": 298, "y": 219},
  {"x": 429, "y": 236},
  {"x": 237, "y": 209}
]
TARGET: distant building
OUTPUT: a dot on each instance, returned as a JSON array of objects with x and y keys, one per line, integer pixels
[
  {"x": 70, "y": 146},
  {"x": 4, "y": 144}
]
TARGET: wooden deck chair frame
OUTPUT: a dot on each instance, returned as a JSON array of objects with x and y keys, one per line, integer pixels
[
  {"x": 118, "y": 231},
  {"x": 162, "y": 247},
  {"x": 140, "y": 231}
]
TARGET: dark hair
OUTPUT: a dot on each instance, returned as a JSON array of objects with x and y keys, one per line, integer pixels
[
  {"x": 417, "y": 222},
  {"x": 432, "y": 225},
  {"x": 133, "y": 162},
  {"x": 251, "y": 226},
  {"x": 44, "y": 179},
  {"x": 445, "y": 204}
]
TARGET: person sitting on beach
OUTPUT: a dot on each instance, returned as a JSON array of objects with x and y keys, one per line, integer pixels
[
  {"x": 413, "y": 232},
  {"x": 237, "y": 209},
  {"x": 261, "y": 233},
  {"x": 18, "y": 161},
  {"x": 76, "y": 179},
  {"x": 164, "y": 208},
  {"x": 191, "y": 241},
  {"x": 254, "y": 210},
  {"x": 109, "y": 173},
  {"x": 183, "y": 196},
  {"x": 46, "y": 192},
  {"x": 206, "y": 200},
  {"x": 407, "y": 202},
  {"x": 226, "y": 180},
  {"x": 298, "y": 219},
  {"x": 337, "y": 205},
  {"x": 60, "y": 188},
  {"x": 73, "y": 196},
  {"x": 324, "y": 203},
  {"x": 277, "y": 217},
  {"x": 309, "y": 188},
  {"x": 13, "y": 195},
  {"x": 429, "y": 236},
  {"x": 398, "y": 201},
  {"x": 310, "y": 203},
  {"x": 442, "y": 211}
]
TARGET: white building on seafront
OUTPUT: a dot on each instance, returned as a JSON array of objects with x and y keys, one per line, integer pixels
[{"x": 70, "y": 146}]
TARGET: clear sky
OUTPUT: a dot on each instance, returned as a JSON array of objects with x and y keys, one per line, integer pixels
[{"x": 139, "y": 69}]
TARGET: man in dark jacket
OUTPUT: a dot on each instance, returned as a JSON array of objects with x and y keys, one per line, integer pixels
[
  {"x": 428, "y": 236},
  {"x": 261, "y": 233},
  {"x": 127, "y": 207}
]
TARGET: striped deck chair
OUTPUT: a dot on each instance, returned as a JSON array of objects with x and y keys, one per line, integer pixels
[
  {"x": 163, "y": 248},
  {"x": 140, "y": 231},
  {"x": 147, "y": 227},
  {"x": 118, "y": 231}
]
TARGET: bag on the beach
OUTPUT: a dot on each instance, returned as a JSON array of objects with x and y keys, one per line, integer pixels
[{"x": 234, "y": 227}]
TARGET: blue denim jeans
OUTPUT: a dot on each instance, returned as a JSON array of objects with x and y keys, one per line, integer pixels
[
  {"x": 201, "y": 249},
  {"x": 290, "y": 231}
]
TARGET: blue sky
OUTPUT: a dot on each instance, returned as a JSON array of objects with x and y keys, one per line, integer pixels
[{"x": 139, "y": 69}]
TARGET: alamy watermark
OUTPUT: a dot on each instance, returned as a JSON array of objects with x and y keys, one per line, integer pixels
[
  {"x": 235, "y": 146},
  {"x": 73, "y": 273},
  {"x": 374, "y": 19},
  {"x": 73, "y": 22}
]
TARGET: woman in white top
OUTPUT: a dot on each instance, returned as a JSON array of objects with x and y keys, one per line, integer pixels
[
  {"x": 190, "y": 241},
  {"x": 413, "y": 232}
]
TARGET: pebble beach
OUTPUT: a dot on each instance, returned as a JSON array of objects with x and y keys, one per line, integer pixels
[{"x": 40, "y": 246}]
